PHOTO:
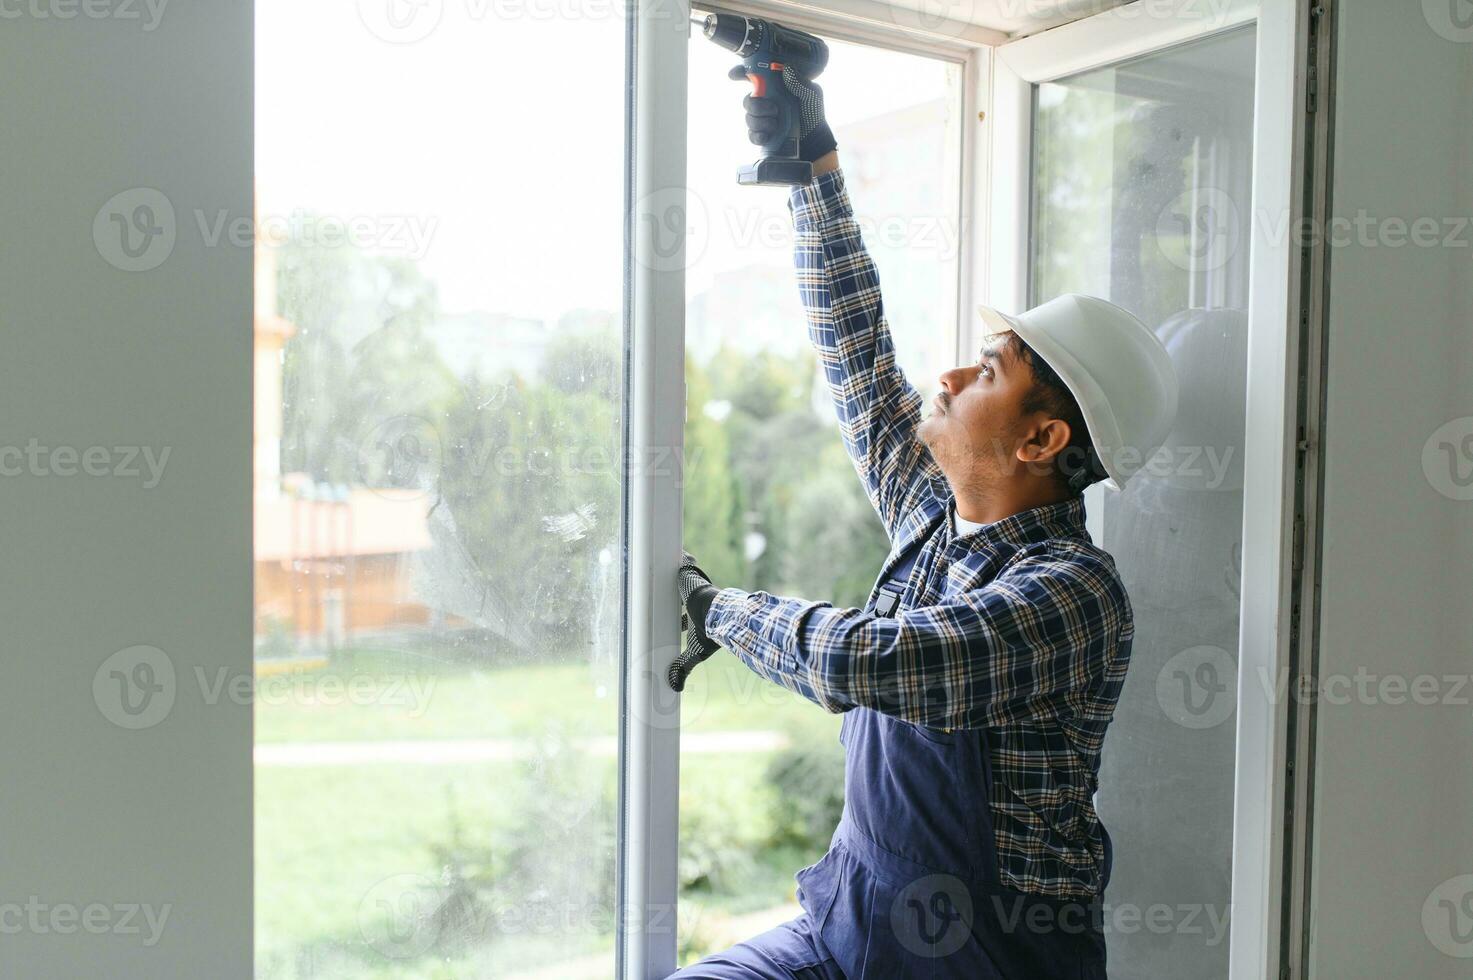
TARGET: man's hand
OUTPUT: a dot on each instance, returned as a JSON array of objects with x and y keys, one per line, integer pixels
[
  {"x": 696, "y": 595},
  {"x": 815, "y": 139}
]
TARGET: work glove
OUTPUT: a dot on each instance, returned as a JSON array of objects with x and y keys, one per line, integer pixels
[
  {"x": 814, "y": 136},
  {"x": 696, "y": 595}
]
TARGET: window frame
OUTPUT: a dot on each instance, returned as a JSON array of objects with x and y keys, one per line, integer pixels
[
  {"x": 1274, "y": 370},
  {"x": 994, "y": 210},
  {"x": 649, "y": 739}
]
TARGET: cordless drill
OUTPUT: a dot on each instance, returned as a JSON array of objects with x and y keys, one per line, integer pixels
[{"x": 766, "y": 48}]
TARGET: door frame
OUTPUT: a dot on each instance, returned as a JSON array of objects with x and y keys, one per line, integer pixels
[{"x": 1274, "y": 370}]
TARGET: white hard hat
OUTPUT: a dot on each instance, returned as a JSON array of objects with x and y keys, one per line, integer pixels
[{"x": 1116, "y": 368}]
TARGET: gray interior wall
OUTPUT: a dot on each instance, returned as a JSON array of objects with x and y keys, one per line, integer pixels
[
  {"x": 97, "y": 819},
  {"x": 1394, "y": 803}
]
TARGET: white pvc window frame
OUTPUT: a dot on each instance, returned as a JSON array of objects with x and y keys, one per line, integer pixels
[
  {"x": 998, "y": 75},
  {"x": 1273, "y": 369},
  {"x": 649, "y": 740}
]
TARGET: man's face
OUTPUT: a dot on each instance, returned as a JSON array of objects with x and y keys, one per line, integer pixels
[{"x": 975, "y": 426}]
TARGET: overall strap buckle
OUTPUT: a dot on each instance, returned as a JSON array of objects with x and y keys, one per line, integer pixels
[{"x": 887, "y": 601}]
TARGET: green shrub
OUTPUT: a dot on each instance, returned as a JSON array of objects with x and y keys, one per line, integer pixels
[
  {"x": 713, "y": 851},
  {"x": 807, "y": 783}
]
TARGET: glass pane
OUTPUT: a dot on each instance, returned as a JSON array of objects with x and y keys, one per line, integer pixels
[
  {"x": 439, "y": 361},
  {"x": 771, "y": 500},
  {"x": 1142, "y": 195}
]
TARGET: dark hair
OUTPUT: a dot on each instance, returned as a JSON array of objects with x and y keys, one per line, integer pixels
[{"x": 1077, "y": 465}]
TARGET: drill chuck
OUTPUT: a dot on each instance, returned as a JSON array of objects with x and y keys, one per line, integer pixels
[
  {"x": 767, "y": 50},
  {"x": 732, "y": 33}
]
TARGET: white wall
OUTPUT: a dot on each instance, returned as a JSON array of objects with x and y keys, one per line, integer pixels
[
  {"x": 1394, "y": 807},
  {"x": 91, "y": 813}
]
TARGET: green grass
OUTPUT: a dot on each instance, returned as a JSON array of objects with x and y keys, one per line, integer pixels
[
  {"x": 328, "y": 837},
  {"x": 409, "y": 696}
]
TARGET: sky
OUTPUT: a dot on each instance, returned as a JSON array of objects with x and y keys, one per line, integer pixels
[{"x": 487, "y": 135}]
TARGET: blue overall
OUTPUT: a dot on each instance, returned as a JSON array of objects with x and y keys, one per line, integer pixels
[{"x": 909, "y": 886}]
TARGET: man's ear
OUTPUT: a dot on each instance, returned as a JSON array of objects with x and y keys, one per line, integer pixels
[{"x": 1048, "y": 438}]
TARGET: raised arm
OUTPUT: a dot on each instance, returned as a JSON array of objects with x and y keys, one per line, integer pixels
[{"x": 878, "y": 409}]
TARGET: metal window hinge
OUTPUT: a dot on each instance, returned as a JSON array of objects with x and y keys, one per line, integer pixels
[
  {"x": 1316, "y": 18},
  {"x": 1296, "y": 560}
]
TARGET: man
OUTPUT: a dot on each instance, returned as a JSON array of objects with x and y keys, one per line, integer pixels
[{"x": 978, "y": 682}]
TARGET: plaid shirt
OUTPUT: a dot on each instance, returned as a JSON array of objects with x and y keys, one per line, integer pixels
[{"x": 1022, "y": 627}]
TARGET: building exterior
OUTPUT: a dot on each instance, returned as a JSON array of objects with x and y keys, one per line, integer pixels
[{"x": 331, "y": 561}]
